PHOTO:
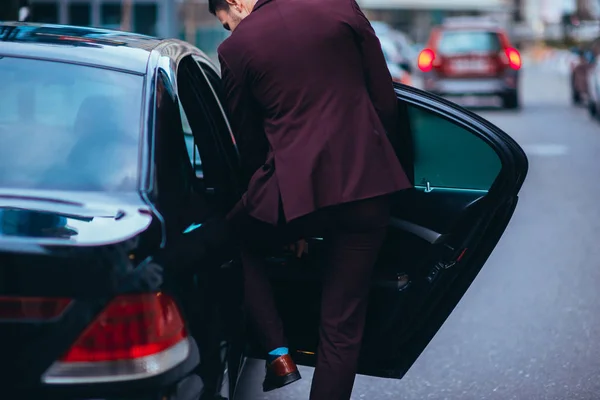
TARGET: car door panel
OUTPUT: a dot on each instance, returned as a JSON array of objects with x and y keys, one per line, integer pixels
[
  {"x": 432, "y": 214},
  {"x": 440, "y": 235},
  {"x": 213, "y": 140},
  {"x": 411, "y": 247}
]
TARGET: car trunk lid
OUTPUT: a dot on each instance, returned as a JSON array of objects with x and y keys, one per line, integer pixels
[
  {"x": 46, "y": 299},
  {"x": 59, "y": 266}
]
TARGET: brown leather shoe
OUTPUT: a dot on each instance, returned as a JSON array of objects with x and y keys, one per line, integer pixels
[{"x": 281, "y": 372}]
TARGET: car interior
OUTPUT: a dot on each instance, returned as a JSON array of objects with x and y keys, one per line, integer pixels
[{"x": 432, "y": 228}]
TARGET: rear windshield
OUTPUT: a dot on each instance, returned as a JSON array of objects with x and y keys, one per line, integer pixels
[
  {"x": 68, "y": 127},
  {"x": 457, "y": 42}
]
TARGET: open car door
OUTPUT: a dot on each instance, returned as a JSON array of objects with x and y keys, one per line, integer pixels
[{"x": 467, "y": 175}]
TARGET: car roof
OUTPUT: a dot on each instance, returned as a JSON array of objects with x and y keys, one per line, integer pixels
[
  {"x": 83, "y": 45},
  {"x": 470, "y": 23},
  {"x": 470, "y": 28}
]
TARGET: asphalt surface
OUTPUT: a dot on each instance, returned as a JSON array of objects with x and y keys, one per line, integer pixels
[{"x": 529, "y": 326}]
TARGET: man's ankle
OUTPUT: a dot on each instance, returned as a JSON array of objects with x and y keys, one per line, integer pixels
[{"x": 278, "y": 352}]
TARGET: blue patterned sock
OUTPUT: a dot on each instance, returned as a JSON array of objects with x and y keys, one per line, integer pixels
[{"x": 278, "y": 352}]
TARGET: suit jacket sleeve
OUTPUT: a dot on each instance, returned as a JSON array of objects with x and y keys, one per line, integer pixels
[
  {"x": 246, "y": 120},
  {"x": 377, "y": 74}
]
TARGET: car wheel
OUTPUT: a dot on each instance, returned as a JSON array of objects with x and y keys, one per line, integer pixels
[{"x": 511, "y": 101}]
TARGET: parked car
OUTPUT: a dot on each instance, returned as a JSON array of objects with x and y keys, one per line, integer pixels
[
  {"x": 404, "y": 45},
  {"x": 97, "y": 185},
  {"x": 471, "y": 58},
  {"x": 592, "y": 78},
  {"x": 593, "y": 90},
  {"x": 580, "y": 69},
  {"x": 397, "y": 65}
]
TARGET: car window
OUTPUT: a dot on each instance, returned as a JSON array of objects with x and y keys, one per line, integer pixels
[
  {"x": 216, "y": 103},
  {"x": 190, "y": 143},
  {"x": 457, "y": 42},
  {"x": 217, "y": 100},
  {"x": 174, "y": 179},
  {"x": 200, "y": 99},
  {"x": 449, "y": 156},
  {"x": 68, "y": 127},
  {"x": 191, "y": 82}
]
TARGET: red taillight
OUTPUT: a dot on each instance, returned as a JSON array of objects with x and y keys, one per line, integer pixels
[
  {"x": 135, "y": 336},
  {"x": 32, "y": 308},
  {"x": 132, "y": 326},
  {"x": 513, "y": 57},
  {"x": 426, "y": 58}
]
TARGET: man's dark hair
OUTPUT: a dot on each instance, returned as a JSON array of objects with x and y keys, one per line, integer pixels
[{"x": 216, "y": 5}]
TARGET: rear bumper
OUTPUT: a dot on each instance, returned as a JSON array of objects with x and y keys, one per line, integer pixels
[
  {"x": 180, "y": 383},
  {"x": 482, "y": 86},
  {"x": 189, "y": 388}
]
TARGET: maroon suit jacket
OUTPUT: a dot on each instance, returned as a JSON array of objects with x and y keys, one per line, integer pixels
[{"x": 311, "y": 76}]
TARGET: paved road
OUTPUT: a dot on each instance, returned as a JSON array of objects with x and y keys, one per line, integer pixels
[{"x": 529, "y": 327}]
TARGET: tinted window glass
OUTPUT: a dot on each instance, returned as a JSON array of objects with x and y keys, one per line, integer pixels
[
  {"x": 466, "y": 42},
  {"x": 174, "y": 174},
  {"x": 190, "y": 143},
  {"x": 449, "y": 156},
  {"x": 69, "y": 127},
  {"x": 215, "y": 102}
]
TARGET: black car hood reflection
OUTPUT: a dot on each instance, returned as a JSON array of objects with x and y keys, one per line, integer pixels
[{"x": 76, "y": 221}]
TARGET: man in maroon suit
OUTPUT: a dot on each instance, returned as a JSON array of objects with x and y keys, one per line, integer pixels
[{"x": 312, "y": 104}]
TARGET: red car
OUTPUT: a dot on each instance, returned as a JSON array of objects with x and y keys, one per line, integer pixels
[
  {"x": 471, "y": 59},
  {"x": 580, "y": 68}
]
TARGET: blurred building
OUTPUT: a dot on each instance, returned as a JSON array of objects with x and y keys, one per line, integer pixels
[
  {"x": 548, "y": 19},
  {"x": 9, "y": 9},
  {"x": 185, "y": 19},
  {"x": 416, "y": 17},
  {"x": 587, "y": 9},
  {"x": 152, "y": 17},
  {"x": 199, "y": 26}
]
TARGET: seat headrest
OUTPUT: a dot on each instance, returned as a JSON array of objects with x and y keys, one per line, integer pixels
[{"x": 104, "y": 116}]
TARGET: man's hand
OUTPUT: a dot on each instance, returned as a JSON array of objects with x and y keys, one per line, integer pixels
[{"x": 299, "y": 248}]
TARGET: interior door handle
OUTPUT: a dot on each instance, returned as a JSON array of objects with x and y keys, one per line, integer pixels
[{"x": 424, "y": 233}]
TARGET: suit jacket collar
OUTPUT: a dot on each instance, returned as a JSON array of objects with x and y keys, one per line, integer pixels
[{"x": 260, "y": 3}]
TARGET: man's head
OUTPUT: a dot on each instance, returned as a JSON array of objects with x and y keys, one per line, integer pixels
[{"x": 231, "y": 12}]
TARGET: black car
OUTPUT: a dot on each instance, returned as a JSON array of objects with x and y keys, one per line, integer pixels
[{"x": 115, "y": 148}]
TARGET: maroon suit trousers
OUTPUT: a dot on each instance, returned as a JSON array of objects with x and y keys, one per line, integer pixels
[{"x": 355, "y": 231}]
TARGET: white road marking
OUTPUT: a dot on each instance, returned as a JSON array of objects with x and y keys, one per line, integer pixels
[{"x": 545, "y": 149}]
